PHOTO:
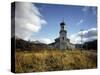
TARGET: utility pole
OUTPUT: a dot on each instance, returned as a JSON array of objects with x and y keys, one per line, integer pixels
[{"x": 81, "y": 35}]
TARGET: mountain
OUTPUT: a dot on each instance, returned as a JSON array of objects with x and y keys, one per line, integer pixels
[
  {"x": 90, "y": 45},
  {"x": 24, "y": 45}
]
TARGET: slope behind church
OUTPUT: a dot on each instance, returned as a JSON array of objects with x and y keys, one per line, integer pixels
[{"x": 62, "y": 42}]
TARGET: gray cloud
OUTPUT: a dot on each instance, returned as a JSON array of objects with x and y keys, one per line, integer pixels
[{"x": 88, "y": 35}]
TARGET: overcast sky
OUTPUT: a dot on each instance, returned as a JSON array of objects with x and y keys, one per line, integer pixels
[{"x": 42, "y": 22}]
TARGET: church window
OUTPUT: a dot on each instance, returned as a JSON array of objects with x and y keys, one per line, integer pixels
[{"x": 63, "y": 38}]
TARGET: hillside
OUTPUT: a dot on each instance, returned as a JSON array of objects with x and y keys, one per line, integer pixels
[
  {"x": 90, "y": 45},
  {"x": 28, "y": 46}
]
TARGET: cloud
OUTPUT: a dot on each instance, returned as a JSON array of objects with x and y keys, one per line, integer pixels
[
  {"x": 46, "y": 40},
  {"x": 28, "y": 20},
  {"x": 87, "y": 35},
  {"x": 86, "y": 9},
  {"x": 42, "y": 40},
  {"x": 94, "y": 10},
  {"x": 80, "y": 22}
]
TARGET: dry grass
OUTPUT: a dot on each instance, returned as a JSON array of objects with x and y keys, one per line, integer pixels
[{"x": 54, "y": 60}]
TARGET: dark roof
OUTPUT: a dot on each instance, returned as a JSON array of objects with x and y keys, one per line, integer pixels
[
  {"x": 57, "y": 39},
  {"x": 62, "y": 23},
  {"x": 52, "y": 43}
]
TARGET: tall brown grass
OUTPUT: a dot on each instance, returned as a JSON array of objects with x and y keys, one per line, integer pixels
[{"x": 54, "y": 60}]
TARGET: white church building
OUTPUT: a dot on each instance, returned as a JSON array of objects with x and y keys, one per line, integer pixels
[{"x": 62, "y": 42}]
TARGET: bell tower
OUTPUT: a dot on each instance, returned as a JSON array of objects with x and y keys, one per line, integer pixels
[{"x": 62, "y": 35}]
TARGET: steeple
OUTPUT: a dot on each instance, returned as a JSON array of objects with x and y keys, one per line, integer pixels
[
  {"x": 62, "y": 31},
  {"x": 62, "y": 24}
]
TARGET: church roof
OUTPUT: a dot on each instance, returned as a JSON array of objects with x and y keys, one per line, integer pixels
[
  {"x": 57, "y": 39},
  {"x": 62, "y": 23}
]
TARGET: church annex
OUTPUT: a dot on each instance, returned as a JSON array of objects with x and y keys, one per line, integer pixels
[{"x": 62, "y": 42}]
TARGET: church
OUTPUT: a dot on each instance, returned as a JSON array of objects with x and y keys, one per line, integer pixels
[{"x": 62, "y": 42}]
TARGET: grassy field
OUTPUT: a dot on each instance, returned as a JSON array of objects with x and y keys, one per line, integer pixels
[{"x": 54, "y": 60}]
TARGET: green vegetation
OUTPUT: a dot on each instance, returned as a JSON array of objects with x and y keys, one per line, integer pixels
[{"x": 54, "y": 60}]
